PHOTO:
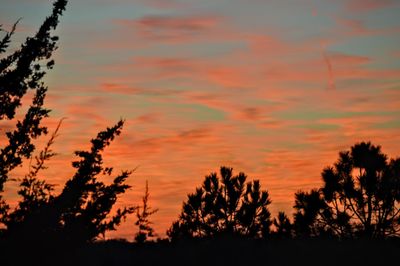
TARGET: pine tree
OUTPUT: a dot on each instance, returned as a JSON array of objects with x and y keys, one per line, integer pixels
[
  {"x": 224, "y": 205},
  {"x": 360, "y": 197}
]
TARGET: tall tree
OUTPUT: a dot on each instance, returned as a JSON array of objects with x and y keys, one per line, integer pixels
[
  {"x": 82, "y": 211},
  {"x": 224, "y": 205},
  {"x": 360, "y": 196},
  {"x": 21, "y": 71}
]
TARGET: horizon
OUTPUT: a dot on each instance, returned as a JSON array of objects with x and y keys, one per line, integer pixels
[{"x": 273, "y": 90}]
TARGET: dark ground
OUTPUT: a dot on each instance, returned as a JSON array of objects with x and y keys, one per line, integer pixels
[{"x": 217, "y": 252}]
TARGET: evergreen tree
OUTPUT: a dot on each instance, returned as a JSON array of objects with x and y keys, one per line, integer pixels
[
  {"x": 81, "y": 212},
  {"x": 360, "y": 197},
  {"x": 21, "y": 71},
  {"x": 224, "y": 205},
  {"x": 283, "y": 226}
]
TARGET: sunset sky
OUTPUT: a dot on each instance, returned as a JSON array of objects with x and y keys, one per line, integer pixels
[{"x": 272, "y": 88}]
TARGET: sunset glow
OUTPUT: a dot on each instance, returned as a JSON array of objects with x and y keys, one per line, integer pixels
[{"x": 272, "y": 88}]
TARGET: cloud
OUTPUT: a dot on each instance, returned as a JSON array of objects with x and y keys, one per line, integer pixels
[
  {"x": 170, "y": 28},
  {"x": 192, "y": 24},
  {"x": 252, "y": 113},
  {"x": 348, "y": 60},
  {"x": 164, "y": 4},
  {"x": 369, "y": 5},
  {"x": 148, "y": 118},
  {"x": 131, "y": 90}
]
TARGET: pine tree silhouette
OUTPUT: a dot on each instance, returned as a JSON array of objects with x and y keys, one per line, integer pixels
[
  {"x": 225, "y": 205},
  {"x": 360, "y": 197},
  {"x": 283, "y": 226}
]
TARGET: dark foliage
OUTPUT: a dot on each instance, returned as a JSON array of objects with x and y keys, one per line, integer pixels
[
  {"x": 224, "y": 205},
  {"x": 21, "y": 71},
  {"x": 283, "y": 226},
  {"x": 360, "y": 197},
  {"x": 82, "y": 211},
  {"x": 143, "y": 213},
  {"x": 35, "y": 192}
]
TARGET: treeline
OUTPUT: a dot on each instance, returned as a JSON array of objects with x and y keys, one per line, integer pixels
[{"x": 359, "y": 198}]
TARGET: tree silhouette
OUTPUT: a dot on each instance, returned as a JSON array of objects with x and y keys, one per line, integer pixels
[
  {"x": 283, "y": 226},
  {"x": 309, "y": 219},
  {"x": 360, "y": 196},
  {"x": 224, "y": 205},
  {"x": 85, "y": 202},
  {"x": 35, "y": 192},
  {"x": 82, "y": 211},
  {"x": 21, "y": 71},
  {"x": 142, "y": 214}
]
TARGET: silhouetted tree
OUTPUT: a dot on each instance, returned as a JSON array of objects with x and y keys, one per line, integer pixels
[
  {"x": 225, "y": 205},
  {"x": 283, "y": 226},
  {"x": 142, "y": 214},
  {"x": 81, "y": 212},
  {"x": 35, "y": 192},
  {"x": 360, "y": 196},
  {"x": 21, "y": 71},
  {"x": 85, "y": 202},
  {"x": 309, "y": 219}
]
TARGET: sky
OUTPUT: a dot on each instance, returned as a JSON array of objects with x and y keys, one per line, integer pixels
[{"x": 272, "y": 88}]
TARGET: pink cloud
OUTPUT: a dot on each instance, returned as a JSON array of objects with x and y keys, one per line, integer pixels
[
  {"x": 170, "y": 28},
  {"x": 148, "y": 118},
  {"x": 164, "y": 4},
  {"x": 369, "y": 5},
  {"x": 119, "y": 88},
  {"x": 347, "y": 59},
  {"x": 176, "y": 23}
]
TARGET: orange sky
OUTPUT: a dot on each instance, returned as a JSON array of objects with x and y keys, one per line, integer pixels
[{"x": 271, "y": 88}]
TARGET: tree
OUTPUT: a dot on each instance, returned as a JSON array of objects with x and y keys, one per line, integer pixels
[
  {"x": 35, "y": 192},
  {"x": 360, "y": 196},
  {"x": 21, "y": 71},
  {"x": 309, "y": 218},
  {"x": 224, "y": 205},
  {"x": 142, "y": 214},
  {"x": 283, "y": 226},
  {"x": 81, "y": 212}
]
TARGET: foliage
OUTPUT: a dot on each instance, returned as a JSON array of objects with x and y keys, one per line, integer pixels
[
  {"x": 21, "y": 71},
  {"x": 35, "y": 192},
  {"x": 82, "y": 211},
  {"x": 85, "y": 202},
  {"x": 224, "y": 205},
  {"x": 360, "y": 197},
  {"x": 142, "y": 214},
  {"x": 283, "y": 226}
]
